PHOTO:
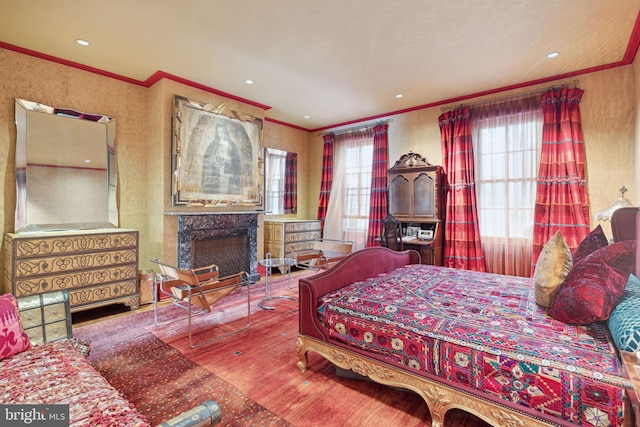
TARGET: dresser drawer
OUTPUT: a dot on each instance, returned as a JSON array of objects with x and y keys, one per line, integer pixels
[
  {"x": 302, "y": 236},
  {"x": 46, "y": 317},
  {"x": 57, "y": 264},
  {"x": 49, "y": 332},
  {"x": 291, "y": 227},
  {"x": 97, "y": 294},
  {"x": 74, "y": 279},
  {"x": 291, "y": 248},
  {"x": 88, "y": 243},
  {"x": 47, "y": 313},
  {"x": 278, "y": 232},
  {"x": 276, "y": 252},
  {"x": 268, "y": 231}
]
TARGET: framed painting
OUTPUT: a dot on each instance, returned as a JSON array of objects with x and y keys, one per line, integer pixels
[{"x": 217, "y": 158}]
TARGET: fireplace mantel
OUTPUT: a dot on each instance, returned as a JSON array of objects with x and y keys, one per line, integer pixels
[{"x": 194, "y": 227}]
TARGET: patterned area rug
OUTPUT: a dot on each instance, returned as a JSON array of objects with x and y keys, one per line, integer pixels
[
  {"x": 251, "y": 374},
  {"x": 158, "y": 379}
]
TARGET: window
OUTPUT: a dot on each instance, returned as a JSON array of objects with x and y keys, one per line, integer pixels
[
  {"x": 274, "y": 182},
  {"x": 507, "y": 138},
  {"x": 357, "y": 188},
  {"x": 348, "y": 210}
]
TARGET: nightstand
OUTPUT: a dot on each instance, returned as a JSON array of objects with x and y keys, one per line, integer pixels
[
  {"x": 631, "y": 368},
  {"x": 46, "y": 317}
]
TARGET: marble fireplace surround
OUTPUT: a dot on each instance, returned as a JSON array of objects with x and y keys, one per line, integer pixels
[{"x": 194, "y": 227}]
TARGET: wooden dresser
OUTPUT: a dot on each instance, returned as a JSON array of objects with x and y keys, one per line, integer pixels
[
  {"x": 283, "y": 238},
  {"x": 97, "y": 267}
]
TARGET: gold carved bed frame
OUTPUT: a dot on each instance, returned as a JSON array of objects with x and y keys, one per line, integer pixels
[{"x": 438, "y": 395}]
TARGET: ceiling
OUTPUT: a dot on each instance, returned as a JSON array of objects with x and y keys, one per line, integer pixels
[{"x": 337, "y": 61}]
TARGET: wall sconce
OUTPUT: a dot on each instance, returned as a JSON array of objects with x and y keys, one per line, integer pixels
[{"x": 621, "y": 202}]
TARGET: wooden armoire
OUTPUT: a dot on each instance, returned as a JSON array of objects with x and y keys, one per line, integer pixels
[{"x": 416, "y": 199}]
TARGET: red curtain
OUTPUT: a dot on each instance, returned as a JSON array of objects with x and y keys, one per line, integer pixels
[
  {"x": 462, "y": 248},
  {"x": 290, "y": 203},
  {"x": 378, "y": 200},
  {"x": 327, "y": 177},
  {"x": 562, "y": 201}
]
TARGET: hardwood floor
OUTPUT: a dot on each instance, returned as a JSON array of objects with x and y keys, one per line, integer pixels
[{"x": 98, "y": 314}]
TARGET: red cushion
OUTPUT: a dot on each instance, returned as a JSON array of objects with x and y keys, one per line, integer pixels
[
  {"x": 592, "y": 242},
  {"x": 589, "y": 294},
  {"x": 13, "y": 339},
  {"x": 620, "y": 256},
  {"x": 594, "y": 285}
]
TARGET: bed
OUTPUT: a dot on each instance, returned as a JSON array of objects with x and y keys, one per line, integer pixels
[{"x": 487, "y": 349}]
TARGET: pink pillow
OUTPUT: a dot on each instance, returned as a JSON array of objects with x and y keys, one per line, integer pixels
[
  {"x": 594, "y": 285},
  {"x": 13, "y": 339},
  {"x": 592, "y": 242}
]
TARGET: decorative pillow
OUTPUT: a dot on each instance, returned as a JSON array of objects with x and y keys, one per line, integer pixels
[
  {"x": 554, "y": 263},
  {"x": 590, "y": 292},
  {"x": 13, "y": 339},
  {"x": 624, "y": 322},
  {"x": 593, "y": 241},
  {"x": 621, "y": 256}
]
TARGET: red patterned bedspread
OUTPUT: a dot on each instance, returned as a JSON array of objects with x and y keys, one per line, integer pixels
[
  {"x": 57, "y": 373},
  {"x": 482, "y": 331}
]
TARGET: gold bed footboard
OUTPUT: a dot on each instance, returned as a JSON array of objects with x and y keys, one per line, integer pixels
[{"x": 438, "y": 397}]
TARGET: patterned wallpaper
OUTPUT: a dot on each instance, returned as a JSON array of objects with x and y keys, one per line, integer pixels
[{"x": 144, "y": 138}]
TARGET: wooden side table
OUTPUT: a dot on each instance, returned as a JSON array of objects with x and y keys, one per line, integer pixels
[
  {"x": 146, "y": 278},
  {"x": 631, "y": 368}
]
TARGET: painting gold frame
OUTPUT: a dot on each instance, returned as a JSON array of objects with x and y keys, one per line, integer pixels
[{"x": 217, "y": 158}]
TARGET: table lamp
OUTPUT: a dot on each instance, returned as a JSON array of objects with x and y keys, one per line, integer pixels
[{"x": 621, "y": 202}]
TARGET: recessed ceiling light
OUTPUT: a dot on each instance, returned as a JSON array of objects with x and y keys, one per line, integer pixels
[
  {"x": 249, "y": 81},
  {"x": 307, "y": 117},
  {"x": 87, "y": 161},
  {"x": 399, "y": 95},
  {"x": 82, "y": 42},
  {"x": 552, "y": 54}
]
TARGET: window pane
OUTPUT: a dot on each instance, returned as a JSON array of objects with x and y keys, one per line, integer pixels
[{"x": 505, "y": 149}]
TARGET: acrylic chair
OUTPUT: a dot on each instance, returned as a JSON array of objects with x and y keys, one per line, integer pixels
[
  {"x": 324, "y": 253},
  {"x": 197, "y": 291}
]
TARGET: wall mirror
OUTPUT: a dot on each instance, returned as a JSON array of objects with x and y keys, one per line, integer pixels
[
  {"x": 281, "y": 182},
  {"x": 65, "y": 169}
]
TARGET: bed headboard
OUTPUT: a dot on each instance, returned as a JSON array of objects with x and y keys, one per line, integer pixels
[
  {"x": 625, "y": 225},
  {"x": 357, "y": 266}
]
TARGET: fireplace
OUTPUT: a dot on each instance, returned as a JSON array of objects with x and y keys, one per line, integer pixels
[{"x": 227, "y": 240}]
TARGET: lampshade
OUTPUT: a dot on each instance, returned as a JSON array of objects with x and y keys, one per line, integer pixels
[{"x": 621, "y": 202}]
